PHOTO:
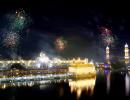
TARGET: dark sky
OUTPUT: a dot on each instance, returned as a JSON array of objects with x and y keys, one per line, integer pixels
[{"x": 77, "y": 21}]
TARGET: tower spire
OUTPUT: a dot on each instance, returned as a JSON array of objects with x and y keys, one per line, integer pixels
[
  {"x": 126, "y": 50},
  {"x": 107, "y": 55}
]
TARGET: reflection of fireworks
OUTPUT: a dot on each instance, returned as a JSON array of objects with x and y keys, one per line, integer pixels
[
  {"x": 60, "y": 43},
  {"x": 11, "y": 40},
  {"x": 107, "y": 37}
]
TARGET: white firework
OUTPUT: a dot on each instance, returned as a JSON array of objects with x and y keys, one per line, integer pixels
[{"x": 11, "y": 39}]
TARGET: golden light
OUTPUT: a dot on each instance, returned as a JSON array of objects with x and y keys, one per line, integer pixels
[
  {"x": 3, "y": 86},
  {"x": 80, "y": 85},
  {"x": 82, "y": 67}
]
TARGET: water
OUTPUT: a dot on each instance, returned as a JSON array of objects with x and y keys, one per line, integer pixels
[{"x": 105, "y": 84}]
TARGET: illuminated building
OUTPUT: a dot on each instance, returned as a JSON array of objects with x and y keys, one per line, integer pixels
[
  {"x": 22, "y": 62},
  {"x": 107, "y": 55},
  {"x": 126, "y": 53},
  {"x": 82, "y": 68}
]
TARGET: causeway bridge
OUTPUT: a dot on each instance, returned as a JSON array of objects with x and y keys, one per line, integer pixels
[{"x": 6, "y": 63}]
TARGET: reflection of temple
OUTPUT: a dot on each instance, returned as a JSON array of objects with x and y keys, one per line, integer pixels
[
  {"x": 82, "y": 85},
  {"x": 82, "y": 67}
]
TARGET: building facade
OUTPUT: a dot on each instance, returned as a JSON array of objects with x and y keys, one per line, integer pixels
[
  {"x": 126, "y": 51},
  {"x": 107, "y": 55}
]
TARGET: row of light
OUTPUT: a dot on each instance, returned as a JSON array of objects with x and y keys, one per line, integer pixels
[
  {"x": 43, "y": 59},
  {"x": 33, "y": 77}
]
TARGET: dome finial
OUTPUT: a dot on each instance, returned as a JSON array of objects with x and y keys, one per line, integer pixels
[
  {"x": 107, "y": 47},
  {"x": 126, "y": 45}
]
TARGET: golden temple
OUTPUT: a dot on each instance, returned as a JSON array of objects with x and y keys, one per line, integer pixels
[{"x": 80, "y": 67}]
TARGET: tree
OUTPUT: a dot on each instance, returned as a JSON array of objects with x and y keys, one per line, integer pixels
[{"x": 116, "y": 63}]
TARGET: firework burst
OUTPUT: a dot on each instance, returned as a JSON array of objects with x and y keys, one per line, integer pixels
[
  {"x": 11, "y": 40},
  {"x": 107, "y": 37},
  {"x": 60, "y": 43},
  {"x": 17, "y": 23},
  {"x": 105, "y": 30},
  {"x": 18, "y": 20}
]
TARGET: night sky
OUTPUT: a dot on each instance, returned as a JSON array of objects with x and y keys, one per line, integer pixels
[{"x": 77, "y": 22}]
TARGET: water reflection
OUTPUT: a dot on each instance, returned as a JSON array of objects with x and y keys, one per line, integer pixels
[
  {"x": 106, "y": 83},
  {"x": 127, "y": 84},
  {"x": 16, "y": 84},
  {"x": 78, "y": 86},
  {"x": 108, "y": 80},
  {"x": 39, "y": 84}
]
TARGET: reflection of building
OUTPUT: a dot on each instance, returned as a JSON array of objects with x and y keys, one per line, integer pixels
[
  {"x": 107, "y": 55},
  {"x": 80, "y": 85},
  {"x": 82, "y": 67},
  {"x": 108, "y": 77},
  {"x": 16, "y": 84},
  {"x": 127, "y": 84},
  {"x": 126, "y": 54}
]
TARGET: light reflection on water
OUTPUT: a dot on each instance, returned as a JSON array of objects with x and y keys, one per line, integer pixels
[
  {"x": 80, "y": 85},
  {"x": 107, "y": 75},
  {"x": 28, "y": 83},
  {"x": 108, "y": 82},
  {"x": 77, "y": 86},
  {"x": 127, "y": 84}
]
